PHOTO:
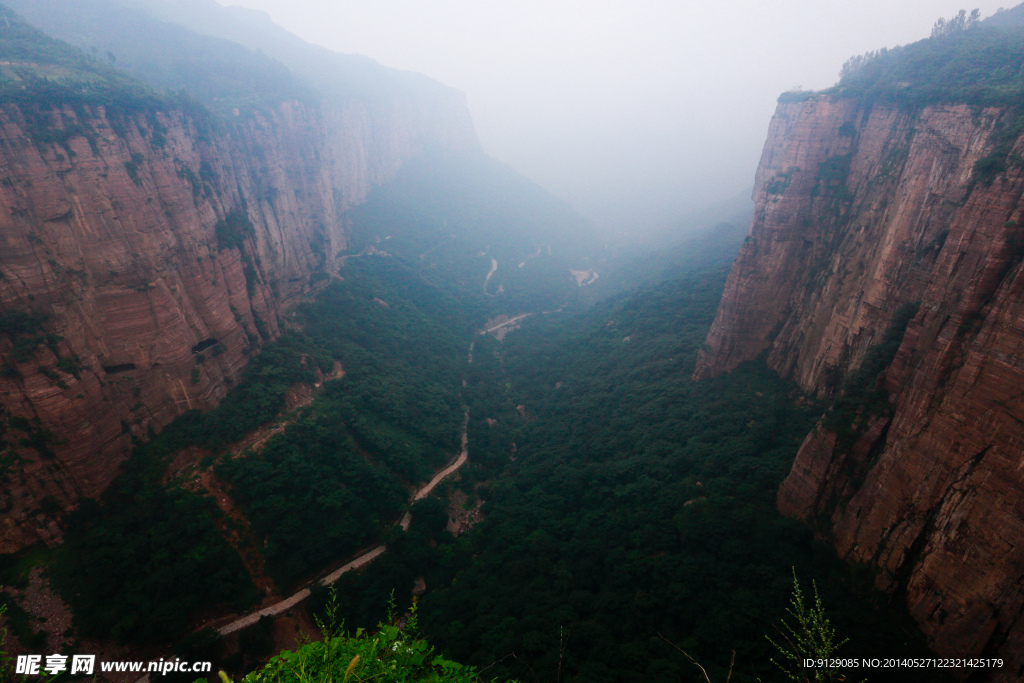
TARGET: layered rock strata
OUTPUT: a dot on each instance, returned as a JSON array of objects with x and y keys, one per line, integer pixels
[
  {"x": 144, "y": 255},
  {"x": 861, "y": 210}
]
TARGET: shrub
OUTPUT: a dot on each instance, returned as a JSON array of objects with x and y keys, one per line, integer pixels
[
  {"x": 390, "y": 655},
  {"x": 232, "y": 230}
]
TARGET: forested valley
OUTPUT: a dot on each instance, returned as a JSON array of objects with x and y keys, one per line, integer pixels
[
  {"x": 627, "y": 511},
  {"x": 615, "y": 519}
]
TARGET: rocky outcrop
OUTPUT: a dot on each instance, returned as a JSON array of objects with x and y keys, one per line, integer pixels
[
  {"x": 144, "y": 253},
  {"x": 861, "y": 211}
]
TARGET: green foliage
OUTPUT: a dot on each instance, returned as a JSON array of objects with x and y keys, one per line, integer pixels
[
  {"x": 430, "y": 515},
  {"x": 32, "y": 57},
  {"x": 132, "y": 167},
  {"x": 233, "y": 230},
  {"x": 808, "y": 634},
  {"x": 146, "y": 549},
  {"x": 412, "y": 554},
  {"x": 139, "y": 565},
  {"x": 961, "y": 22},
  {"x": 1003, "y": 138},
  {"x": 56, "y": 87},
  {"x": 33, "y": 435},
  {"x": 251, "y": 279},
  {"x": 26, "y": 331},
  {"x": 206, "y": 173},
  {"x": 222, "y": 74},
  {"x": 21, "y": 626},
  {"x": 861, "y": 397},
  {"x": 958, "y": 64},
  {"x": 624, "y": 501},
  {"x": 71, "y": 365},
  {"x": 835, "y": 169},
  {"x": 388, "y": 654},
  {"x": 402, "y": 344},
  {"x": 257, "y": 398},
  {"x": 781, "y": 181},
  {"x": 988, "y": 167},
  {"x": 26, "y": 347},
  {"x": 325, "y": 486},
  {"x": 6, "y": 660},
  {"x": 19, "y": 322},
  {"x": 312, "y": 495},
  {"x": 795, "y": 96},
  {"x": 40, "y": 74},
  {"x": 329, "y": 483}
]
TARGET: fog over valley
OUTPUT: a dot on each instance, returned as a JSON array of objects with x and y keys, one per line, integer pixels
[{"x": 635, "y": 113}]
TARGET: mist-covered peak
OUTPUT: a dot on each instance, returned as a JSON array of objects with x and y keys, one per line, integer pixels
[{"x": 228, "y": 57}]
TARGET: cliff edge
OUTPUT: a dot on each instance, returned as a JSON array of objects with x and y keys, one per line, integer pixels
[
  {"x": 886, "y": 249},
  {"x": 148, "y": 246}
]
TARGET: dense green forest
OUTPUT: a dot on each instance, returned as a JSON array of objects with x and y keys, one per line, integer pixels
[
  {"x": 627, "y": 506},
  {"x": 628, "y": 510},
  {"x": 332, "y": 481},
  {"x": 964, "y": 61},
  {"x": 329, "y": 483}
]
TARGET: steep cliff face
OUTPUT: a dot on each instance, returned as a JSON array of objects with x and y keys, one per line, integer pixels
[
  {"x": 144, "y": 254},
  {"x": 863, "y": 212}
]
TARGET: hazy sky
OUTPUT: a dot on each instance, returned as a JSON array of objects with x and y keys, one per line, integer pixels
[{"x": 632, "y": 111}]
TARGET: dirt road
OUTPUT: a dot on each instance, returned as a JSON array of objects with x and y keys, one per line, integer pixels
[
  {"x": 364, "y": 559},
  {"x": 510, "y": 321}
]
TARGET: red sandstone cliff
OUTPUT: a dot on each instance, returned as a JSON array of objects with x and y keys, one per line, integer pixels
[
  {"x": 108, "y": 235},
  {"x": 860, "y": 210}
]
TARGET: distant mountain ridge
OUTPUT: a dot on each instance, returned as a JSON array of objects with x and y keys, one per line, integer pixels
[{"x": 220, "y": 52}]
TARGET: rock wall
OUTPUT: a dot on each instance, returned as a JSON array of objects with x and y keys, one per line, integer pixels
[
  {"x": 860, "y": 210},
  {"x": 144, "y": 255}
]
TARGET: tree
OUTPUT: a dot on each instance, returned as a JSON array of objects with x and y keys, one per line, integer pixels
[
  {"x": 810, "y": 636},
  {"x": 961, "y": 22}
]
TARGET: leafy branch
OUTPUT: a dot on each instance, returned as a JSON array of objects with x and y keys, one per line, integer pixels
[{"x": 807, "y": 635}]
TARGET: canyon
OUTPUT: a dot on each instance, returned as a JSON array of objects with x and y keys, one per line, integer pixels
[
  {"x": 881, "y": 227},
  {"x": 148, "y": 247}
]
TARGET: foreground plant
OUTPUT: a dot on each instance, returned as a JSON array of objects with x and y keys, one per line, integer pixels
[
  {"x": 809, "y": 641},
  {"x": 390, "y": 655}
]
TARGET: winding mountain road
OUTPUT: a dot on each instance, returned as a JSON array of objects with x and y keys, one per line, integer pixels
[
  {"x": 508, "y": 322},
  {"x": 376, "y": 551},
  {"x": 494, "y": 267},
  {"x": 364, "y": 559},
  {"x": 358, "y": 562}
]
